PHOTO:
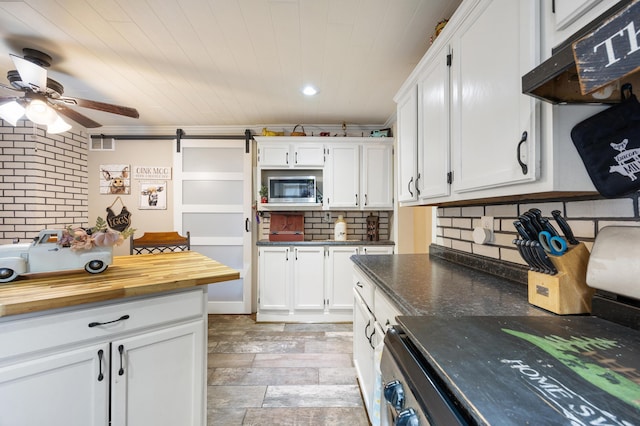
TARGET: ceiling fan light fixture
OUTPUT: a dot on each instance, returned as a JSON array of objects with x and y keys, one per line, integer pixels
[
  {"x": 40, "y": 113},
  {"x": 11, "y": 112},
  {"x": 59, "y": 126}
]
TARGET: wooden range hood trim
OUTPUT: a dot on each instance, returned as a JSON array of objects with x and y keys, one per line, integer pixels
[{"x": 556, "y": 79}]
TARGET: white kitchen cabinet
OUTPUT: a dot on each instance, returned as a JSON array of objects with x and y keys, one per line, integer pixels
[
  {"x": 434, "y": 166},
  {"x": 149, "y": 387},
  {"x": 342, "y": 176},
  {"x": 407, "y": 131},
  {"x": 302, "y": 283},
  {"x": 58, "y": 369},
  {"x": 274, "y": 277},
  {"x": 470, "y": 129},
  {"x": 367, "y": 250},
  {"x": 565, "y": 17},
  {"x": 308, "y": 276},
  {"x": 339, "y": 275},
  {"x": 489, "y": 114},
  {"x": 359, "y": 176},
  {"x": 61, "y": 388},
  {"x": 376, "y": 182},
  {"x": 373, "y": 314},
  {"x": 278, "y": 153}
]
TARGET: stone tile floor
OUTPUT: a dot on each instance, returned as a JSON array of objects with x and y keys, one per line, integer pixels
[{"x": 281, "y": 374}]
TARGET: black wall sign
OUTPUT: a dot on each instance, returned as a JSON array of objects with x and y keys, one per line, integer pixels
[{"x": 610, "y": 52}]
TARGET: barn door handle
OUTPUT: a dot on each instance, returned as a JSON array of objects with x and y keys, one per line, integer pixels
[{"x": 523, "y": 139}]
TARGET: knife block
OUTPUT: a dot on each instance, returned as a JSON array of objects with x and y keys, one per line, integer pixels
[{"x": 566, "y": 292}]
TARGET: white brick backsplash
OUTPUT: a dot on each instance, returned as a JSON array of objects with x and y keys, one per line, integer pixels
[
  {"x": 486, "y": 250},
  {"x": 586, "y": 218},
  {"x": 620, "y": 207},
  {"x": 505, "y": 210}
]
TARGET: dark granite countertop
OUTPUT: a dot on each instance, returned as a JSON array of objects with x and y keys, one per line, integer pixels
[
  {"x": 420, "y": 284},
  {"x": 325, "y": 243}
]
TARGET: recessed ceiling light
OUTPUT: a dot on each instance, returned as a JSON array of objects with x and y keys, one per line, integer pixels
[{"x": 309, "y": 90}]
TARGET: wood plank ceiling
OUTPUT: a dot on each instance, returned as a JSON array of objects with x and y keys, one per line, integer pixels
[{"x": 227, "y": 62}]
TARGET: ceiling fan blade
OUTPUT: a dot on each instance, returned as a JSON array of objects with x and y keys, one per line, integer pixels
[
  {"x": 13, "y": 89},
  {"x": 101, "y": 106},
  {"x": 30, "y": 73},
  {"x": 83, "y": 120}
]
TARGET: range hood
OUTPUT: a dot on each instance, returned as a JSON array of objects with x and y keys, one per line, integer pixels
[{"x": 556, "y": 79}]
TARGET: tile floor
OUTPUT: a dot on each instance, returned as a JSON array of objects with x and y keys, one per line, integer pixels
[{"x": 281, "y": 374}]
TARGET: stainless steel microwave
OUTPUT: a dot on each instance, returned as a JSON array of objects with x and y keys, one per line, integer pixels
[{"x": 292, "y": 189}]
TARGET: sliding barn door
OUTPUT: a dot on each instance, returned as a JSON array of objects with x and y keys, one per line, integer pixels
[{"x": 213, "y": 201}]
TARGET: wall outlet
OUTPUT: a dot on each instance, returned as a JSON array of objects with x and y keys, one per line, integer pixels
[
  {"x": 326, "y": 218},
  {"x": 486, "y": 222}
]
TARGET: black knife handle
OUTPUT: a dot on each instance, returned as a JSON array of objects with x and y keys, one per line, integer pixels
[
  {"x": 548, "y": 226},
  {"x": 520, "y": 228},
  {"x": 528, "y": 226},
  {"x": 564, "y": 226},
  {"x": 525, "y": 255}
]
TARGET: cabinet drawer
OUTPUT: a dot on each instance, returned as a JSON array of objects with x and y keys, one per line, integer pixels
[
  {"x": 27, "y": 335},
  {"x": 384, "y": 310},
  {"x": 363, "y": 287}
]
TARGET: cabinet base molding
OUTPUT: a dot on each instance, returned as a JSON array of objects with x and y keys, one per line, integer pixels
[{"x": 304, "y": 318}]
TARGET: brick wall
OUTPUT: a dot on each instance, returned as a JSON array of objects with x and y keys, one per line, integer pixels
[
  {"x": 43, "y": 181},
  {"x": 317, "y": 229},
  {"x": 586, "y": 217}
]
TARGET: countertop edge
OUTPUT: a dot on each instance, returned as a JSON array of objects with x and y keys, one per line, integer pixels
[{"x": 262, "y": 243}]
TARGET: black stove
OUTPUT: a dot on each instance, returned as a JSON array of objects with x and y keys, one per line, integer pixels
[{"x": 551, "y": 370}]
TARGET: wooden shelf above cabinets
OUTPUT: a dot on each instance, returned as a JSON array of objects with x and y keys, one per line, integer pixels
[{"x": 556, "y": 79}]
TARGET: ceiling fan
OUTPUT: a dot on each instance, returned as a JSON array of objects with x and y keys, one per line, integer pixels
[{"x": 42, "y": 101}]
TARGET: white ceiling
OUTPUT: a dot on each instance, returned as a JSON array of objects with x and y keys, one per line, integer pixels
[{"x": 226, "y": 62}]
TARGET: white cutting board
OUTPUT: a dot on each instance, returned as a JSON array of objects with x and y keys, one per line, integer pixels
[{"x": 614, "y": 264}]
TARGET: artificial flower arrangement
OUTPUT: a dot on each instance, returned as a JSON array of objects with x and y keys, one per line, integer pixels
[{"x": 98, "y": 236}]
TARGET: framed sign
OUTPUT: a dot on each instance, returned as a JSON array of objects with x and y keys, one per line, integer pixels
[
  {"x": 115, "y": 179},
  {"x": 153, "y": 195},
  {"x": 610, "y": 52}
]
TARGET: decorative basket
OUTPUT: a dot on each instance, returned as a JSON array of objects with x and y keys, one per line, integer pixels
[{"x": 302, "y": 133}]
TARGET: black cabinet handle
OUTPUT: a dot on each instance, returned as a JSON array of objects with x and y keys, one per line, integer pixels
[
  {"x": 122, "y": 318},
  {"x": 121, "y": 350},
  {"x": 287, "y": 158},
  {"x": 356, "y": 199},
  {"x": 371, "y": 338},
  {"x": 416, "y": 185},
  {"x": 100, "y": 355},
  {"x": 523, "y": 139},
  {"x": 409, "y": 186},
  {"x": 365, "y": 328},
  {"x": 246, "y": 224},
  {"x": 359, "y": 285},
  {"x": 366, "y": 200}
]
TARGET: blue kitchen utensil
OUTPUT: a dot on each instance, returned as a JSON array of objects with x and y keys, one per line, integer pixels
[{"x": 555, "y": 245}]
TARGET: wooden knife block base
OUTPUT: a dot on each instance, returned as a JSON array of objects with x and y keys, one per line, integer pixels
[{"x": 566, "y": 292}]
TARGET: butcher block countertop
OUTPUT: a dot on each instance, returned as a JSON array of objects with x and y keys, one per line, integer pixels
[{"x": 128, "y": 276}]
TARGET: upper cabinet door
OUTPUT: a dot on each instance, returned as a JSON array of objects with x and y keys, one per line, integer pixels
[
  {"x": 433, "y": 128},
  {"x": 308, "y": 155},
  {"x": 274, "y": 155},
  {"x": 377, "y": 182},
  {"x": 407, "y": 110},
  {"x": 342, "y": 183},
  {"x": 495, "y": 45}
]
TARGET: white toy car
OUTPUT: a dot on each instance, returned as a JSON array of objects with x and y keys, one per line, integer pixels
[{"x": 44, "y": 254}]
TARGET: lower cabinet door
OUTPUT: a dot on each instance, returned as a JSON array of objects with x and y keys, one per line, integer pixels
[
  {"x": 159, "y": 377},
  {"x": 69, "y": 388},
  {"x": 363, "y": 329}
]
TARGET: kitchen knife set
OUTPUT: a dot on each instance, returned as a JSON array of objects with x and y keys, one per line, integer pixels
[{"x": 540, "y": 238}]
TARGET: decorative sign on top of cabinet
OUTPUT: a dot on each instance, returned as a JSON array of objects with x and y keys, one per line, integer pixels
[
  {"x": 356, "y": 172},
  {"x": 465, "y": 130}
]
